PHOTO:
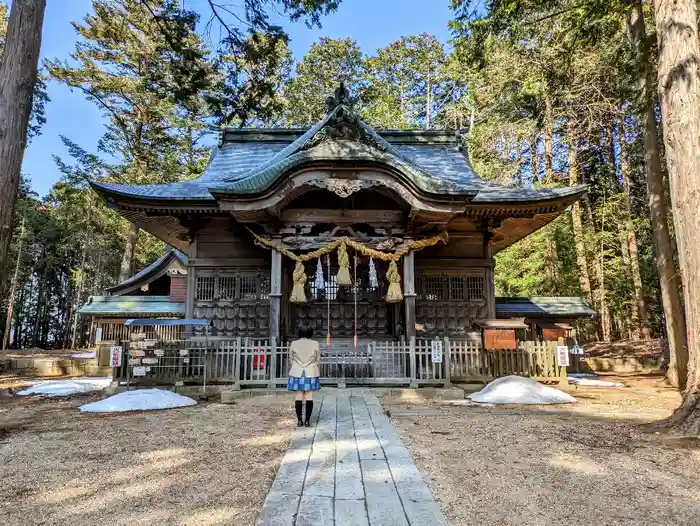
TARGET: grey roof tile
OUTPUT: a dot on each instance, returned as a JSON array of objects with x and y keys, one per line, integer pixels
[
  {"x": 572, "y": 306},
  {"x": 250, "y": 166}
]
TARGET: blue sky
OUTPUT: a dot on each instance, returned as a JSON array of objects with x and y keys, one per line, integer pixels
[{"x": 372, "y": 23}]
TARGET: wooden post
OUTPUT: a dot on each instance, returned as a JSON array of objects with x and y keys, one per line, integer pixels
[
  {"x": 273, "y": 363},
  {"x": 489, "y": 278},
  {"x": 237, "y": 364},
  {"x": 412, "y": 357},
  {"x": 275, "y": 295},
  {"x": 191, "y": 286},
  {"x": 409, "y": 294},
  {"x": 447, "y": 362}
]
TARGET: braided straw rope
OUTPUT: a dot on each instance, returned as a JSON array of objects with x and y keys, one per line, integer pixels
[{"x": 394, "y": 293}]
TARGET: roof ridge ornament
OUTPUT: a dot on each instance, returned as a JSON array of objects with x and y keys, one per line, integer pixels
[{"x": 340, "y": 97}]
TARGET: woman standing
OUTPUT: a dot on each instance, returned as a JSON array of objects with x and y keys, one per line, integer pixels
[{"x": 304, "y": 373}]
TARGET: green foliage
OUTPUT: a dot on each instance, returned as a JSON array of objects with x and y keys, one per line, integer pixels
[
  {"x": 406, "y": 83},
  {"x": 328, "y": 62}
]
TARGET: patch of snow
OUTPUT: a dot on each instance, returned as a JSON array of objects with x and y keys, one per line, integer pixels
[
  {"x": 83, "y": 355},
  {"x": 519, "y": 390},
  {"x": 593, "y": 382},
  {"x": 67, "y": 387},
  {"x": 138, "y": 400}
]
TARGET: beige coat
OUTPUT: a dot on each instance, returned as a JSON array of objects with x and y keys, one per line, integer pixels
[{"x": 304, "y": 354}]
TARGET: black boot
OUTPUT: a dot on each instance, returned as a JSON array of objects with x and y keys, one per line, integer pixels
[
  {"x": 297, "y": 407},
  {"x": 309, "y": 410}
]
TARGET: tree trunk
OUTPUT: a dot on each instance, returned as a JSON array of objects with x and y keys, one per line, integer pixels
[
  {"x": 669, "y": 280},
  {"x": 125, "y": 270},
  {"x": 548, "y": 131},
  {"x": 18, "y": 72},
  {"x": 679, "y": 94},
  {"x": 429, "y": 88},
  {"x": 640, "y": 317},
  {"x": 579, "y": 243},
  {"x": 13, "y": 289},
  {"x": 534, "y": 160}
]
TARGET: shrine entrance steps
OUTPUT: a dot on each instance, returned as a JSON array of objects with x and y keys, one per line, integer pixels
[{"x": 349, "y": 468}]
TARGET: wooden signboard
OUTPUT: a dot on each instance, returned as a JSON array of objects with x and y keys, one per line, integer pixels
[
  {"x": 500, "y": 339},
  {"x": 553, "y": 334}
]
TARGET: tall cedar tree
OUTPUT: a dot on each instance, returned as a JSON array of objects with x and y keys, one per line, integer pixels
[
  {"x": 679, "y": 95},
  {"x": 587, "y": 24},
  {"x": 406, "y": 83},
  {"x": 18, "y": 75},
  {"x": 127, "y": 64}
]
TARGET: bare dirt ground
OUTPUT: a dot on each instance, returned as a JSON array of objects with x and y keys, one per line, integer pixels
[
  {"x": 627, "y": 349},
  {"x": 209, "y": 464},
  {"x": 35, "y": 352},
  {"x": 593, "y": 462}
]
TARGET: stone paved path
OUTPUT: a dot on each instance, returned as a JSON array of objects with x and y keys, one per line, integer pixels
[{"x": 351, "y": 469}]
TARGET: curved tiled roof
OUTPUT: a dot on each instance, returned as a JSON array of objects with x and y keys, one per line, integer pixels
[{"x": 250, "y": 161}]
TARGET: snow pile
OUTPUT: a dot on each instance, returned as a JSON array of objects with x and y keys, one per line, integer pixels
[
  {"x": 592, "y": 382},
  {"x": 67, "y": 387},
  {"x": 138, "y": 400},
  {"x": 519, "y": 390},
  {"x": 83, "y": 355}
]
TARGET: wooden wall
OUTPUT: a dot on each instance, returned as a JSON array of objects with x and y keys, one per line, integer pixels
[{"x": 228, "y": 280}]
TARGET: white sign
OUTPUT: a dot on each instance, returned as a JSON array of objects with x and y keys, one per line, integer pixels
[
  {"x": 98, "y": 334},
  {"x": 437, "y": 351},
  {"x": 139, "y": 371},
  {"x": 562, "y": 355},
  {"x": 115, "y": 356}
]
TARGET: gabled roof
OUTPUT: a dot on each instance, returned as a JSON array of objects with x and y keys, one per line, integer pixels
[
  {"x": 150, "y": 273},
  {"x": 132, "y": 306},
  {"x": 249, "y": 161},
  {"x": 542, "y": 306}
]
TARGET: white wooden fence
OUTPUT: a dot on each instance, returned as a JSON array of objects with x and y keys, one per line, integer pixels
[{"x": 246, "y": 362}]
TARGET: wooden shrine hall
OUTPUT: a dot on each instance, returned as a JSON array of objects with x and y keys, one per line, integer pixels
[{"x": 360, "y": 233}]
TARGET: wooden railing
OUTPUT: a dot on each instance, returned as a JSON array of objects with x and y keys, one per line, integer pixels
[{"x": 247, "y": 362}]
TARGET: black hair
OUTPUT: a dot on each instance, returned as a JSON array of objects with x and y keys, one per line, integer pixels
[{"x": 305, "y": 332}]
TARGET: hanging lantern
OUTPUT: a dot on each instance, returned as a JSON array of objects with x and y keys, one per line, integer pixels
[{"x": 373, "y": 281}]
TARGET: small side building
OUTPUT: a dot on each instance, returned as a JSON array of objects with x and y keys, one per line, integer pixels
[
  {"x": 157, "y": 291},
  {"x": 548, "y": 317}
]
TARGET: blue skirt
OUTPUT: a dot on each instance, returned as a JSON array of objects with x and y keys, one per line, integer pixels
[{"x": 302, "y": 383}]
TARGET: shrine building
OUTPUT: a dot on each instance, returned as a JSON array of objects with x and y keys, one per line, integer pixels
[{"x": 357, "y": 232}]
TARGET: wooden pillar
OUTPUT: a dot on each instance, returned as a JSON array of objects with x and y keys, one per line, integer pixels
[
  {"x": 191, "y": 285},
  {"x": 409, "y": 294},
  {"x": 275, "y": 294}
]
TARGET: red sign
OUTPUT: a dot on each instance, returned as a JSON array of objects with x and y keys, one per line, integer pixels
[{"x": 259, "y": 359}]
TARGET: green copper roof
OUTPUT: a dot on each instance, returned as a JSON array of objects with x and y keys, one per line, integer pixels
[
  {"x": 132, "y": 306},
  {"x": 250, "y": 161}
]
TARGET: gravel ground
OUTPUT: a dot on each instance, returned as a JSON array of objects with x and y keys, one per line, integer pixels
[
  {"x": 588, "y": 463},
  {"x": 204, "y": 465}
]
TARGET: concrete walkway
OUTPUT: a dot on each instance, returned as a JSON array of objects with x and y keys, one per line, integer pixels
[{"x": 351, "y": 469}]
